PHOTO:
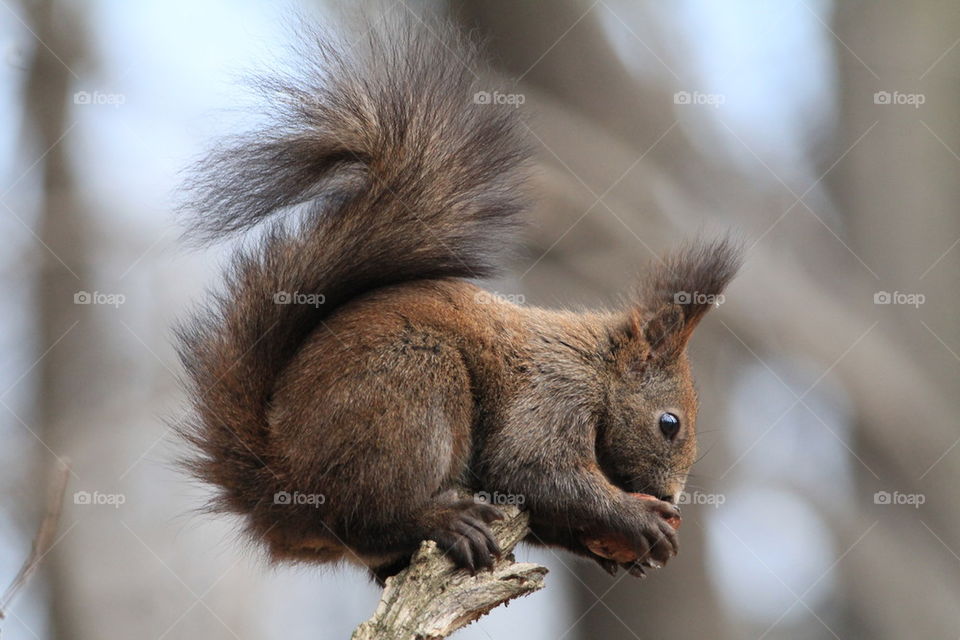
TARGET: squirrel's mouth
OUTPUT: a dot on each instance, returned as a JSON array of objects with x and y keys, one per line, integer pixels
[
  {"x": 662, "y": 496},
  {"x": 636, "y": 485}
]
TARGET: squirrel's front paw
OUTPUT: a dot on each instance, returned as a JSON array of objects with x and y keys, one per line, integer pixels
[
  {"x": 651, "y": 542},
  {"x": 465, "y": 536}
]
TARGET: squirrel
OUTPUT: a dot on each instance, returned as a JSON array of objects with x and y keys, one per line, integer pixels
[{"x": 349, "y": 382}]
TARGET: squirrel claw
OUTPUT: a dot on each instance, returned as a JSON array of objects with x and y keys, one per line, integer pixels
[
  {"x": 610, "y": 566},
  {"x": 467, "y": 540}
]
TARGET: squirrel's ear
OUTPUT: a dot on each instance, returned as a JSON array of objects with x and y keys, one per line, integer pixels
[
  {"x": 650, "y": 337},
  {"x": 679, "y": 292},
  {"x": 664, "y": 332}
]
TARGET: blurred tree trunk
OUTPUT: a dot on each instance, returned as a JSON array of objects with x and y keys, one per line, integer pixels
[
  {"x": 900, "y": 193},
  {"x": 62, "y": 228},
  {"x": 120, "y": 571}
]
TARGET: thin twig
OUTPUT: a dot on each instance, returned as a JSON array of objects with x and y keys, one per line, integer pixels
[{"x": 44, "y": 538}]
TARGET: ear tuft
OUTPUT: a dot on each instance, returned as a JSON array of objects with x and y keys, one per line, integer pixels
[{"x": 690, "y": 280}]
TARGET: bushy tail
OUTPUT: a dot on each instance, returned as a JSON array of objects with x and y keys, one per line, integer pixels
[{"x": 403, "y": 170}]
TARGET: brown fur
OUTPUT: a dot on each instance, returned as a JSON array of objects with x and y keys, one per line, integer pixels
[{"x": 407, "y": 384}]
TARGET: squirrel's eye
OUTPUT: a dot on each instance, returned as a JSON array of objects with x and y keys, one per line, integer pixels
[{"x": 669, "y": 425}]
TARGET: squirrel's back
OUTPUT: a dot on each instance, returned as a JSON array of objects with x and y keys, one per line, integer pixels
[{"x": 390, "y": 169}]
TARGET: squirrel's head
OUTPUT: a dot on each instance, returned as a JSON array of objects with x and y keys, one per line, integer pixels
[{"x": 647, "y": 441}]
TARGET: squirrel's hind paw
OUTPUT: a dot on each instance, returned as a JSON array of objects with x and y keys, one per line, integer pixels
[{"x": 466, "y": 538}]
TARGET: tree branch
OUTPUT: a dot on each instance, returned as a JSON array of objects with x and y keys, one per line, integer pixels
[{"x": 431, "y": 599}]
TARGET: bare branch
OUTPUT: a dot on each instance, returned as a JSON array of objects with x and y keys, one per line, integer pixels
[{"x": 431, "y": 599}]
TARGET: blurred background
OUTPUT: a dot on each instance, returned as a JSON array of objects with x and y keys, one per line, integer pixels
[{"x": 824, "y": 133}]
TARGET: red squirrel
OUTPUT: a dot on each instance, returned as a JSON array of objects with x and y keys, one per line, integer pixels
[{"x": 348, "y": 383}]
